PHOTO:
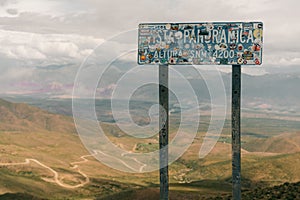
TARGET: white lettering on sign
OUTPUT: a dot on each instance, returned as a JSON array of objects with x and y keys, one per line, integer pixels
[{"x": 213, "y": 36}]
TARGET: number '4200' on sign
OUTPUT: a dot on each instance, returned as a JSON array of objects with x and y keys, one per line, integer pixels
[{"x": 219, "y": 43}]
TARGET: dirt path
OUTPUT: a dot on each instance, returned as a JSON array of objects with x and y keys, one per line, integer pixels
[
  {"x": 140, "y": 169},
  {"x": 75, "y": 165},
  {"x": 84, "y": 160},
  {"x": 56, "y": 175}
]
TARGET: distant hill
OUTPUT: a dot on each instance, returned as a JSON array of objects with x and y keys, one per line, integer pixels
[
  {"x": 22, "y": 117},
  {"x": 284, "y": 143},
  {"x": 42, "y": 157}
]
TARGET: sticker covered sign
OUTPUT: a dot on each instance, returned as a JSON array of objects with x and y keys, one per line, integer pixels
[{"x": 219, "y": 43}]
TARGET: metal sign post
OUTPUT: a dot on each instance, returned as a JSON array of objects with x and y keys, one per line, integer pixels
[
  {"x": 201, "y": 43},
  {"x": 164, "y": 130},
  {"x": 236, "y": 134}
]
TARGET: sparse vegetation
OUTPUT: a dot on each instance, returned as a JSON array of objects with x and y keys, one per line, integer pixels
[
  {"x": 28, "y": 132},
  {"x": 146, "y": 147}
]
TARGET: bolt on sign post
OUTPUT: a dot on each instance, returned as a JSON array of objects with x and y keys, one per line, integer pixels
[{"x": 203, "y": 43}]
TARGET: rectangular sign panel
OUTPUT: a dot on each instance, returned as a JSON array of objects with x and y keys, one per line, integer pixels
[{"x": 216, "y": 43}]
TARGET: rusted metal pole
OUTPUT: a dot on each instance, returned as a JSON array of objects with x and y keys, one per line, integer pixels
[
  {"x": 236, "y": 132},
  {"x": 164, "y": 131}
]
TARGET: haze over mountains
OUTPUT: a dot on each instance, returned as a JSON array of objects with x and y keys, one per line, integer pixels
[{"x": 273, "y": 92}]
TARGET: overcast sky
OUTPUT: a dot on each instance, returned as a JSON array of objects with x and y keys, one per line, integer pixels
[{"x": 43, "y": 42}]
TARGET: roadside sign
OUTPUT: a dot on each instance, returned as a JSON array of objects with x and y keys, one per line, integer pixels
[{"x": 216, "y": 43}]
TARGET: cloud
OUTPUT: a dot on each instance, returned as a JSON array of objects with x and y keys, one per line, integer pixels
[
  {"x": 281, "y": 29},
  {"x": 12, "y": 11},
  {"x": 46, "y": 49},
  {"x": 47, "y": 7},
  {"x": 4, "y": 3},
  {"x": 47, "y": 88},
  {"x": 46, "y": 41},
  {"x": 11, "y": 73}
]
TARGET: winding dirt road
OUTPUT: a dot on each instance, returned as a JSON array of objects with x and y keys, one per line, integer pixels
[
  {"x": 75, "y": 166},
  {"x": 56, "y": 176}
]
